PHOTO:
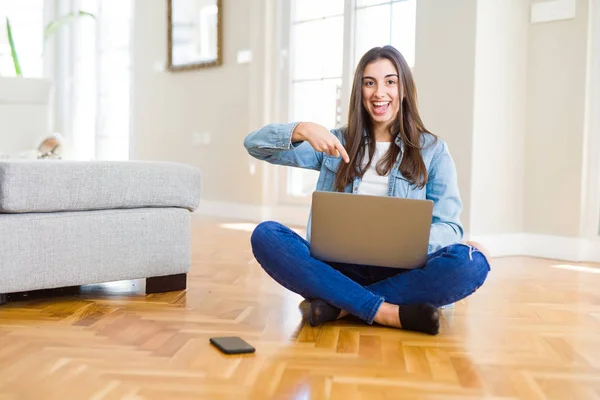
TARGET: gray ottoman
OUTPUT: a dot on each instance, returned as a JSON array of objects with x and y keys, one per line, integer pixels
[{"x": 69, "y": 223}]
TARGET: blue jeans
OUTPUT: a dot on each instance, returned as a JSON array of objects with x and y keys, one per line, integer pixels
[{"x": 450, "y": 274}]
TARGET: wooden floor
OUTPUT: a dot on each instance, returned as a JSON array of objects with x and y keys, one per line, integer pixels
[{"x": 531, "y": 332}]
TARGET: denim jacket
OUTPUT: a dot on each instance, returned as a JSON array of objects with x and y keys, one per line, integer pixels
[{"x": 272, "y": 143}]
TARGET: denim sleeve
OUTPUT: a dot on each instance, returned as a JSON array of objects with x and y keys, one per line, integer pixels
[
  {"x": 442, "y": 189},
  {"x": 272, "y": 143}
]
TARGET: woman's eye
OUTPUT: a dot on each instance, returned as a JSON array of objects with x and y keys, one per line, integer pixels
[{"x": 391, "y": 82}]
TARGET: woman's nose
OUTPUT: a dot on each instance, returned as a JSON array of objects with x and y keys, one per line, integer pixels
[{"x": 380, "y": 92}]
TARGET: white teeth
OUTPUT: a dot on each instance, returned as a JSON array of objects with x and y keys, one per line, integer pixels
[{"x": 381, "y": 103}]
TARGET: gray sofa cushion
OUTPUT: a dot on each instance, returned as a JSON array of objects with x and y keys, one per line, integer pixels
[
  {"x": 60, "y": 185},
  {"x": 43, "y": 251}
]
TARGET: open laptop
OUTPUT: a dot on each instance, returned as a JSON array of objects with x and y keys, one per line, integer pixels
[{"x": 370, "y": 230}]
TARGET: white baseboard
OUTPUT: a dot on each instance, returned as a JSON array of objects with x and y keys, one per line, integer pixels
[
  {"x": 290, "y": 215},
  {"x": 574, "y": 249},
  {"x": 515, "y": 244}
]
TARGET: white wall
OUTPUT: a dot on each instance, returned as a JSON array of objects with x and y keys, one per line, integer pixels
[
  {"x": 510, "y": 98},
  {"x": 444, "y": 71},
  {"x": 168, "y": 107},
  {"x": 556, "y": 81},
  {"x": 499, "y": 115}
]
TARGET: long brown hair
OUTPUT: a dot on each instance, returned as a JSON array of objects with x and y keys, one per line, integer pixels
[{"x": 407, "y": 124}]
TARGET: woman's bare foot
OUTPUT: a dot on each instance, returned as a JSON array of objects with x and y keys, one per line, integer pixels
[
  {"x": 388, "y": 315},
  {"x": 414, "y": 317}
]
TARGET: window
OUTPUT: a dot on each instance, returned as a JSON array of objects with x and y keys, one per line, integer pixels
[
  {"x": 327, "y": 40},
  {"x": 101, "y": 88},
  {"x": 27, "y": 25},
  {"x": 317, "y": 34},
  {"x": 386, "y": 22}
]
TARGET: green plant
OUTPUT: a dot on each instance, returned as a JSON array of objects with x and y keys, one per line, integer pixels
[{"x": 49, "y": 30}]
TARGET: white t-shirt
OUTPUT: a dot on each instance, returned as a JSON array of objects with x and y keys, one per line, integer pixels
[{"x": 372, "y": 183}]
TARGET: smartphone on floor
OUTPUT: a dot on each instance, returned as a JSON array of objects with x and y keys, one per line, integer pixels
[{"x": 232, "y": 345}]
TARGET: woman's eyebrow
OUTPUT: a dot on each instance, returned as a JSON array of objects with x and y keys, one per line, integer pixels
[{"x": 387, "y": 76}]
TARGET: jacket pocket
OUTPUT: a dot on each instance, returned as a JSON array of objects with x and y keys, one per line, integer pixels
[
  {"x": 332, "y": 163},
  {"x": 403, "y": 188}
]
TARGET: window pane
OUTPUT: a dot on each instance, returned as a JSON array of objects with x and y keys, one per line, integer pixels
[
  {"x": 366, "y": 3},
  {"x": 114, "y": 61},
  {"x": 311, "y": 9},
  {"x": 317, "y": 101},
  {"x": 102, "y": 70},
  {"x": 317, "y": 52},
  {"x": 318, "y": 49},
  {"x": 114, "y": 34},
  {"x": 84, "y": 111},
  {"x": 27, "y": 24},
  {"x": 372, "y": 29},
  {"x": 113, "y": 119},
  {"x": 403, "y": 28},
  {"x": 113, "y": 68}
]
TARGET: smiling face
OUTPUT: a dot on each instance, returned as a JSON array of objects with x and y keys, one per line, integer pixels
[
  {"x": 383, "y": 108},
  {"x": 381, "y": 92}
]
